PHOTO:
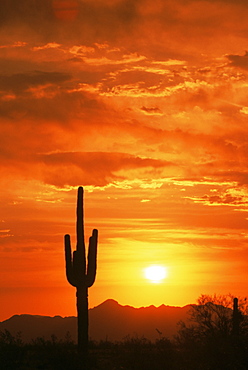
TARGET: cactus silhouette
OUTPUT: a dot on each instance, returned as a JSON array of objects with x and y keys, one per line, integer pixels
[
  {"x": 81, "y": 275},
  {"x": 237, "y": 317}
]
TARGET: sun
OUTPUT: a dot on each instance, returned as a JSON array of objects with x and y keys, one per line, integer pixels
[{"x": 156, "y": 273}]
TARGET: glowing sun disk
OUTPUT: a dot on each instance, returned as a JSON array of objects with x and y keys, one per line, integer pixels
[{"x": 155, "y": 273}]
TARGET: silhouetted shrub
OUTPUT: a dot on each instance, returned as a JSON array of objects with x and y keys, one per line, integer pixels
[
  {"x": 192, "y": 349},
  {"x": 209, "y": 341}
]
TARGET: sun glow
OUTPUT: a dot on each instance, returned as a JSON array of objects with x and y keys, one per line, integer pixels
[{"x": 156, "y": 273}]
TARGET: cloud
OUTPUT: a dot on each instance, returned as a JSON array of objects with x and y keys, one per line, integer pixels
[
  {"x": 240, "y": 61},
  {"x": 52, "y": 21},
  {"x": 19, "y": 82},
  {"x": 143, "y": 103},
  {"x": 49, "y": 102},
  {"x": 92, "y": 168},
  {"x": 137, "y": 23},
  {"x": 231, "y": 197},
  {"x": 151, "y": 110}
]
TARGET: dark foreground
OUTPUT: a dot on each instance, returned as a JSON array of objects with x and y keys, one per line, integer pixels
[{"x": 131, "y": 353}]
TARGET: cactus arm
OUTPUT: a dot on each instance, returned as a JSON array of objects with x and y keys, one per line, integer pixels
[
  {"x": 78, "y": 276},
  {"x": 92, "y": 260},
  {"x": 68, "y": 260}
]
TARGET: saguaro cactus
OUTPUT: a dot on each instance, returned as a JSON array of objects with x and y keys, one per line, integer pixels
[
  {"x": 79, "y": 274},
  {"x": 236, "y": 317}
]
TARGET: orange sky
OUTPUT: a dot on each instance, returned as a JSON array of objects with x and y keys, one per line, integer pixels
[{"x": 145, "y": 105}]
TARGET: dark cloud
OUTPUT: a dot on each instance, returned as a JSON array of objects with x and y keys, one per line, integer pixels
[
  {"x": 26, "y": 11},
  {"x": 116, "y": 161},
  {"x": 231, "y": 2},
  {"x": 19, "y": 82},
  {"x": 151, "y": 110},
  {"x": 223, "y": 199},
  {"x": 240, "y": 61},
  {"x": 241, "y": 177},
  {"x": 98, "y": 19},
  {"x": 92, "y": 168},
  {"x": 162, "y": 28},
  {"x": 60, "y": 106}
]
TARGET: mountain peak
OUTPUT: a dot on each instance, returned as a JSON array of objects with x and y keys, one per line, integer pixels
[
  {"x": 108, "y": 305},
  {"x": 111, "y": 302},
  {"x": 107, "y": 320}
]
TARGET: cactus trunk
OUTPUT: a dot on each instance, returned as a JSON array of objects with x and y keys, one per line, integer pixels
[
  {"x": 83, "y": 321},
  {"x": 81, "y": 276},
  {"x": 236, "y": 317}
]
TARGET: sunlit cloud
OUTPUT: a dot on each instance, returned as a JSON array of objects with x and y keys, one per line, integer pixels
[
  {"x": 230, "y": 197},
  {"x": 145, "y": 105},
  {"x": 17, "y": 44},
  {"x": 131, "y": 58},
  {"x": 50, "y": 45},
  {"x": 244, "y": 110}
]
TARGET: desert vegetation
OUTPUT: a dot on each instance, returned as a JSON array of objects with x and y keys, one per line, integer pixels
[
  {"x": 81, "y": 275},
  {"x": 207, "y": 342}
]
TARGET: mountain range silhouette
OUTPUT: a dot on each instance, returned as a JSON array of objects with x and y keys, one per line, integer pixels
[{"x": 108, "y": 321}]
